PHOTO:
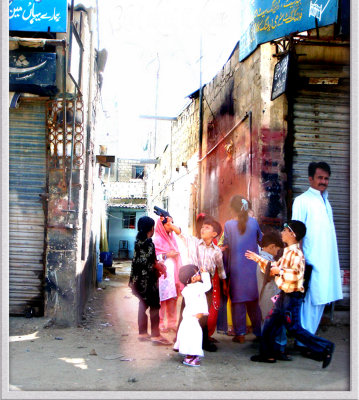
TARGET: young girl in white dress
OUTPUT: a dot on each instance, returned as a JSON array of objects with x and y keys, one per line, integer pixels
[{"x": 189, "y": 336}]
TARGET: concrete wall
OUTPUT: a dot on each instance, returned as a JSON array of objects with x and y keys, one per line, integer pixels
[
  {"x": 174, "y": 180},
  {"x": 70, "y": 241}
]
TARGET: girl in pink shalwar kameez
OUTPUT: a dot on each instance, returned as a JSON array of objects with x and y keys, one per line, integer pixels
[{"x": 167, "y": 251}]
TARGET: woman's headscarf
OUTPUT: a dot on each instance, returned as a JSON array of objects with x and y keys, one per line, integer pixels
[{"x": 164, "y": 242}]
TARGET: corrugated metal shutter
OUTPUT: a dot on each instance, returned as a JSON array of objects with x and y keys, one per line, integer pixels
[
  {"x": 322, "y": 133},
  {"x": 27, "y": 219}
]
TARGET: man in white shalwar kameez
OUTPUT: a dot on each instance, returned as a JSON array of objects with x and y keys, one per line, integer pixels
[{"x": 319, "y": 246}]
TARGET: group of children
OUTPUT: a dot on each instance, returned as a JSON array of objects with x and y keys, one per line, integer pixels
[{"x": 280, "y": 288}]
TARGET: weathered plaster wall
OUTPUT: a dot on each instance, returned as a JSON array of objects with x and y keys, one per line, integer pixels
[
  {"x": 249, "y": 159},
  {"x": 69, "y": 258},
  {"x": 63, "y": 253},
  {"x": 173, "y": 180}
]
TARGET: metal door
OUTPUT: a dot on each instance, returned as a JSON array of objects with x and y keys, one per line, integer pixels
[
  {"x": 321, "y": 121},
  {"x": 27, "y": 145}
]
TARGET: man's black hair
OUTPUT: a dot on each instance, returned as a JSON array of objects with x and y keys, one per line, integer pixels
[
  {"x": 298, "y": 228},
  {"x": 313, "y": 166},
  {"x": 272, "y": 237},
  {"x": 217, "y": 227}
]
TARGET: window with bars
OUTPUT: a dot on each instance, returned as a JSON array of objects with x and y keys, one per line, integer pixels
[
  {"x": 138, "y": 171},
  {"x": 129, "y": 220}
]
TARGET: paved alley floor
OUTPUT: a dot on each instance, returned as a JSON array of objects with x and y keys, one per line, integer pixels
[{"x": 104, "y": 354}]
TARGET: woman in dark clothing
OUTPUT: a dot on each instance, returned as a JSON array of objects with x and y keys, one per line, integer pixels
[{"x": 145, "y": 271}]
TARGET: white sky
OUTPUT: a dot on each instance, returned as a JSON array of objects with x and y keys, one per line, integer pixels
[{"x": 134, "y": 32}]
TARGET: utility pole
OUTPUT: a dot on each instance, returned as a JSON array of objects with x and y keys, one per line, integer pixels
[
  {"x": 156, "y": 107},
  {"x": 200, "y": 130}
]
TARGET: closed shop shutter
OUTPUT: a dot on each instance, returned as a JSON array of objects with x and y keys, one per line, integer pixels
[
  {"x": 321, "y": 118},
  {"x": 27, "y": 145}
]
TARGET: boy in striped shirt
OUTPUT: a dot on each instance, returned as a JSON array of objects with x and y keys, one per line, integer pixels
[{"x": 288, "y": 274}]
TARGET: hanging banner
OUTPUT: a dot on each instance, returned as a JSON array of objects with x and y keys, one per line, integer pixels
[
  {"x": 38, "y": 15},
  {"x": 272, "y": 19}
]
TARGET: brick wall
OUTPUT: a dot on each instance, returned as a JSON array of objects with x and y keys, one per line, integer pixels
[{"x": 172, "y": 180}]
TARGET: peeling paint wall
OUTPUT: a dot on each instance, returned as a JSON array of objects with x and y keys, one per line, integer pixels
[
  {"x": 70, "y": 252},
  {"x": 243, "y": 138}
]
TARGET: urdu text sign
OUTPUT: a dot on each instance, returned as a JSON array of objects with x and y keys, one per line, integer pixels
[
  {"x": 38, "y": 15},
  {"x": 272, "y": 19}
]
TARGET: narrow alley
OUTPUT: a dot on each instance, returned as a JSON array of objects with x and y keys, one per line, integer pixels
[
  {"x": 104, "y": 354},
  {"x": 230, "y": 116}
]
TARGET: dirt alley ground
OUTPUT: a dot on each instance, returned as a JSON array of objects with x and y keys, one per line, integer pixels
[{"x": 104, "y": 354}]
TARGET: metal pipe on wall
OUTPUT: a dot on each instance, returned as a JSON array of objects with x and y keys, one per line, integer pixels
[
  {"x": 64, "y": 115},
  {"x": 72, "y": 150},
  {"x": 251, "y": 156},
  {"x": 88, "y": 140}
]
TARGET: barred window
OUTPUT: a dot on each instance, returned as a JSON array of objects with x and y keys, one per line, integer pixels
[{"x": 129, "y": 220}]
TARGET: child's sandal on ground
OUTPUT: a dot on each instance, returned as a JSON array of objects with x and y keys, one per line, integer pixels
[{"x": 192, "y": 361}]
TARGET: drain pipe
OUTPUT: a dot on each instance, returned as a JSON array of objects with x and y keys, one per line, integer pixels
[
  {"x": 250, "y": 155},
  {"x": 64, "y": 116},
  {"x": 88, "y": 139}
]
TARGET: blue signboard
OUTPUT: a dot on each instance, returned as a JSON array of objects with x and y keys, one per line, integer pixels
[
  {"x": 272, "y": 19},
  {"x": 32, "y": 72},
  {"x": 38, "y": 15}
]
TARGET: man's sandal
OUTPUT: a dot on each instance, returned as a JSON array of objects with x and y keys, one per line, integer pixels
[
  {"x": 259, "y": 358},
  {"x": 144, "y": 338},
  {"x": 327, "y": 357}
]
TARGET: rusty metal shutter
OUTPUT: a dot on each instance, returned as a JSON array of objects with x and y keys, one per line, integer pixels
[
  {"x": 27, "y": 145},
  {"x": 322, "y": 133}
]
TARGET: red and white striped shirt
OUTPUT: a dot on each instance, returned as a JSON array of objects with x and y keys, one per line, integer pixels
[
  {"x": 291, "y": 269},
  {"x": 208, "y": 257}
]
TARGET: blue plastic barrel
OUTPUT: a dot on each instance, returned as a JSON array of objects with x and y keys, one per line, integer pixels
[
  {"x": 99, "y": 272},
  {"x": 106, "y": 258}
]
